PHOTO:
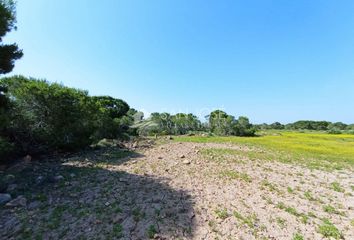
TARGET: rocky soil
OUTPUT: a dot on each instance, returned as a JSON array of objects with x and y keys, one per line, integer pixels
[{"x": 174, "y": 191}]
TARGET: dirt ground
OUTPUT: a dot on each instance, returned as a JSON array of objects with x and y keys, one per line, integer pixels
[{"x": 179, "y": 191}]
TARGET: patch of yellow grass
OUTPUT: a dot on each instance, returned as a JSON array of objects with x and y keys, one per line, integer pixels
[{"x": 317, "y": 150}]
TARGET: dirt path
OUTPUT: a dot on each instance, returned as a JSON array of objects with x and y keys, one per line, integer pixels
[{"x": 182, "y": 191}]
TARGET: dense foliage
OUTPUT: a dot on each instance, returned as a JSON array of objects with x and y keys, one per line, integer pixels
[
  {"x": 165, "y": 123},
  {"x": 219, "y": 123},
  {"x": 8, "y": 52},
  {"x": 39, "y": 116},
  {"x": 330, "y": 127}
]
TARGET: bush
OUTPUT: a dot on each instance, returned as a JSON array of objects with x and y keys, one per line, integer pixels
[
  {"x": 334, "y": 131},
  {"x": 6, "y": 149},
  {"x": 47, "y": 116}
]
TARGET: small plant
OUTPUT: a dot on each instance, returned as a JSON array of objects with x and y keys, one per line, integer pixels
[
  {"x": 328, "y": 230},
  {"x": 222, "y": 213},
  {"x": 249, "y": 220},
  {"x": 292, "y": 211},
  {"x": 137, "y": 214},
  {"x": 304, "y": 218},
  {"x": 281, "y": 205},
  {"x": 151, "y": 231},
  {"x": 290, "y": 190},
  {"x": 236, "y": 175},
  {"x": 311, "y": 214},
  {"x": 337, "y": 187},
  {"x": 212, "y": 225},
  {"x": 281, "y": 222},
  {"x": 330, "y": 209},
  {"x": 298, "y": 236},
  {"x": 270, "y": 186},
  {"x": 308, "y": 196},
  {"x": 118, "y": 230}
]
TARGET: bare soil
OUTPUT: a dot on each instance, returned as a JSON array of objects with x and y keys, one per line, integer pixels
[{"x": 177, "y": 191}]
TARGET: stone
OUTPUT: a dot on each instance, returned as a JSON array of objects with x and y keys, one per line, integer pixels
[
  {"x": 34, "y": 205},
  {"x": 58, "y": 178},
  {"x": 4, "y": 198},
  {"x": 20, "y": 201},
  {"x": 39, "y": 180},
  {"x": 187, "y": 162},
  {"x": 11, "y": 187},
  {"x": 27, "y": 159}
]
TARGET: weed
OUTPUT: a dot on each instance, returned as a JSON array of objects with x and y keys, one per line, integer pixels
[
  {"x": 298, "y": 236},
  {"x": 331, "y": 210},
  {"x": 236, "y": 175},
  {"x": 328, "y": 230},
  {"x": 222, "y": 213},
  {"x": 308, "y": 196},
  {"x": 292, "y": 211},
  {"x": 290, "y": 190},
  {"x": 249, "y": 220},
  {"x": 311, "y": 214},
  {"x": 212, "y": 225},
  {"x": 337, "y": 187},
  {"x": 137, "y": 214},
  {"x": 55, "y": 217},
  {"x": 270, "y": 186},
  {"x": 281, "y": 222},
  {"x": 118, "y": 230},
  {"x": 151, "y": 231}
]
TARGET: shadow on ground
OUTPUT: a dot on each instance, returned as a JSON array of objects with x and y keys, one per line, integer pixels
[{"x": 78, "y": 198}]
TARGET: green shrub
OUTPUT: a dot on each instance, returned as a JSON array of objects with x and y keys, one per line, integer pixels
[
  {"x": 6, "y": 149},
  {"x": 334, "y": 131},
  {"x": 47, "y": 116},
  {"x": 328, "y": 230}
]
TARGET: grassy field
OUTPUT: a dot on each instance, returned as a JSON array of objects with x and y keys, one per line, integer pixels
[{"x": 315, "y": 150}]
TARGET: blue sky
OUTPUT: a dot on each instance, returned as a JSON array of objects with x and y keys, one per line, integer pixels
[{"x": 268, "y": 60}]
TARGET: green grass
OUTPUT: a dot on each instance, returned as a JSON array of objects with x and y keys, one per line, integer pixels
[
  {"x": 308, "y": 195},
  {"x": 337, "y": 187},
  {"x": 151, "y": 231},
  {"x": 222, "y": 213},
  {"x": 328, "y": 230},
  {"x": 118, "y": 231},
  {"x": 281, "y": 222},
  {"x": 236, "y": 175},
  {"x": 315, "y": 150},
  {"x": 298, "y": 236},
  {"x": 332, "y": 210},
  {"x": 249, "y": 220},
  {"x": 303, "y": 217}
]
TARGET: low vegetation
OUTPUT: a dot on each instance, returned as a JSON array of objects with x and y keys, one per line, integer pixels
[{"x": 315, "y": 150}]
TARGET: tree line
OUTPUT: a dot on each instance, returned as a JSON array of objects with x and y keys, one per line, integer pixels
[
  {"x": 218, "y": 123},
  {"x": 39, "y": 117},
  {"x": 330, "y": 127}
]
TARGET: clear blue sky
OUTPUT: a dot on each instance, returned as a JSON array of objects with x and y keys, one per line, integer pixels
[{"x": 268, "y": 60}]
